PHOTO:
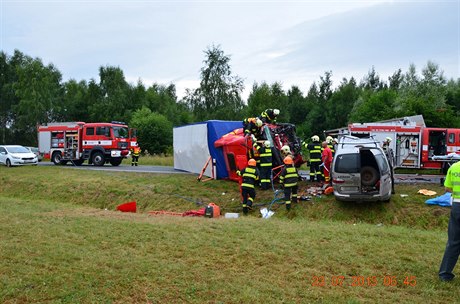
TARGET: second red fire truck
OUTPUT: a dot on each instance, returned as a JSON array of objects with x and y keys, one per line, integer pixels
[{"x": 76, "y": 142}]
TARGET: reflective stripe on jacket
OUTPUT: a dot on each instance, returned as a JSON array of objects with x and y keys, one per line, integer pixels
[{"x": 289, "y": 177}]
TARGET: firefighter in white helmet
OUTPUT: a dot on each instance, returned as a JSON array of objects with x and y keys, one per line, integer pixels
[
  {"x": 269, "y": 115},
  {"x": 264, "y": 163},
  {"x": 315, "y": 158},
  {"x": 330, "y": 144},
  {"x": 252, "y": 126}
]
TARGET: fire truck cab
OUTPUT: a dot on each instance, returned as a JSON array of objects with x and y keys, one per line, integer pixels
[
  {"x": 75, "y": 142},
  {"x": 414, "y": 144}
]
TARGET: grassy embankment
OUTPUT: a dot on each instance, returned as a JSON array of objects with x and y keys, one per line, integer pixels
[{"x": 60, "y": 245}]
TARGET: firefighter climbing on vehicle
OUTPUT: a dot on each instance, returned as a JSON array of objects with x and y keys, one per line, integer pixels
[
  {"x": 269, "y": 116},
  {"x": 315, "y": 158},
  {"x": 135, "y": 152},
  {"x": 252, "y": 126},
  {"x": 264, "y": 163},
  {"x": 288, "y": 180},
  {"x": 326, "y": 158},
  {"x": 250, "y": 176}
]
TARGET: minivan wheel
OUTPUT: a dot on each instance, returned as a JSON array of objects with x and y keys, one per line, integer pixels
[
  {"x": 8, "y": 163},
  {"x": 369, "y": 176}
]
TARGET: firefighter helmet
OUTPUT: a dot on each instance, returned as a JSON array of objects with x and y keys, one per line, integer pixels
[
  {"x": 267, "y": 144},
  {"x": 315, "y": 138},
  {"x": 276, "y": 112},
  {"x": 252, "y": 162},
  {"x": 388, "y": 139},
  {"x": 288, "y": 160},
  {"x": 258, "y": 122},
  {"x": 329, "y": 139},
  {"x": 285, "y": 149}
]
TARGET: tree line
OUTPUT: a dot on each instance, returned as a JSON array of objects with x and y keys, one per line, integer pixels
[{"x": 33, "y": 93}]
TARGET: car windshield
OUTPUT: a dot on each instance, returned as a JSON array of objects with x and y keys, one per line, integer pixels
[
  {"x": 17, "y": 149},
  {"x": 120, "y": 132},
  {"x": 347, "y": 163}
]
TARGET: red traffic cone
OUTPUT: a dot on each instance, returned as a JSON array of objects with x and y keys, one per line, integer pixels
[{"x": 127, "y": 207}]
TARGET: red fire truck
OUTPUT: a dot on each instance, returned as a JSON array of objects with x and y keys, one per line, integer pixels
[
  {"x": 75, "y": 142},
  {"x": 414, "y": 145}
]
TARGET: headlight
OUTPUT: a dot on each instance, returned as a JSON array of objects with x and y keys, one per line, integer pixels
[{"x": 15, "y": 157}]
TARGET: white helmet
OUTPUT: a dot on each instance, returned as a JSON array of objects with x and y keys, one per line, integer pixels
[
  {"x": 388, "y": 139},
  {"x": 267, "y": 144},
  {"x": 276, "y": 112},
  {"x": 285, "y": 149},
  {"x": 329, "y": 139},
  {"x": 258, "y": 122},
  {"x": 315, "y": 138}
]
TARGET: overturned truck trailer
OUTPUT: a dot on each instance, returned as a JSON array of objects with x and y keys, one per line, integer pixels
[{"x": 222, "y": 144}]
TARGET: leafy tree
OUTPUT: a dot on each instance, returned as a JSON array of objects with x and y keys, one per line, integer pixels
[
  {"x": 40, "y": 95},
  {"x": 341, "y": 103},
  {"x": 372, "y": 81},
  {"x": 219, "y": 94},
  {"x": 154, "y": 130},
  {"x": 113, "y": 104}
]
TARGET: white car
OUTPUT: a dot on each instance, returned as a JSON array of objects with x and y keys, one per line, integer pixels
[{"x": 17, "y": 156}]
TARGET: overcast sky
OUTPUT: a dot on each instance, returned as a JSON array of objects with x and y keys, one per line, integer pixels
[{"x": 293, "y": 42}]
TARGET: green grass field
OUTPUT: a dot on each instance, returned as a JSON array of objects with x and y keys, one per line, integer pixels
[{"x": 60, "y": 245}]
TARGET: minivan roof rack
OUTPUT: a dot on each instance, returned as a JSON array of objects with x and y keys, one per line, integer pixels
[{"x": 341, "y": 142}]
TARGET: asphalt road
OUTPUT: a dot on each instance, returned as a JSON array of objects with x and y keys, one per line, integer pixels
[{"x": 399, "y": 178}]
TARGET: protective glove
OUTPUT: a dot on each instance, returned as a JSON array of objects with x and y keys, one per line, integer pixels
[{"x": 254, "y": 139}]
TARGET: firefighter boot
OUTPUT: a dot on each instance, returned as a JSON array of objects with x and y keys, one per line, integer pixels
[
  {"x": 288, "y": 206},
  {"x": 245, "y": 210}
]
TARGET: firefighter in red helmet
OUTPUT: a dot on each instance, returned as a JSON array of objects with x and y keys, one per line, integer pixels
[{"x": 288, "y": 180}]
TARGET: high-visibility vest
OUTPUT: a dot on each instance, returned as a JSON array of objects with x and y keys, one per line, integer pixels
[
  {"x": 315, "y": 151},
  {"x": 136, "y": 151},
  {"x": 250, "y": 175},
  {"x": 289, "y": 177},
  {"x": 453, "y": 181}
]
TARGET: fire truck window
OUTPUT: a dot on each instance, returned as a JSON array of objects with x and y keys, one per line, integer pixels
[
  {"x": 90, "y": 131},
  {"x": 451, "y": 138},
  {"x": 103, "y": 131}
]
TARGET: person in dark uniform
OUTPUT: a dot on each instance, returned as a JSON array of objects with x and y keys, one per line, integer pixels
[
  {"x": 269, "y": 116},
  {"x": 452, "y": 184},
  {"x": 264, "y": 164},
  {"x": 288, "y": 180},
  {"x": 250, "y": 176},
  {"x": 315, "y": 159},
  {"x": 135, "y": 152}
]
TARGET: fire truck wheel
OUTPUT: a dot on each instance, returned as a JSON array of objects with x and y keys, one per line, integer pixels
[
  {"x": 115, "y": 162},
  {"x": 57, "y": 158},
  {"x": 369, "y": 176},
  {"x": 98, "y": 159}
]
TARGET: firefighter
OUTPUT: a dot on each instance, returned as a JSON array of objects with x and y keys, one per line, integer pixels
[
  {"x": 390, "y": 157},
  {"x": 326, "y": 158},
  {"x": 135, "y": 152},
  {"x": 250, "y": 176},
  {"x": 452, "y": 251},
  {"x": 286, "y": 151},
  {"x": 315, "y": 158},
  {"x": 330, "y": 143},
  {"x": 269, "y": 116},
  {"x": 288, "y": 180},
  {"x": 265, "y": 164},
  {"x": 252, "y": 126}
]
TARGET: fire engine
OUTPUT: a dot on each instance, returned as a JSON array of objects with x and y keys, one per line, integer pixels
[
  {"x": 414, "y": 145},
  {"x": 99, "y": 143}
]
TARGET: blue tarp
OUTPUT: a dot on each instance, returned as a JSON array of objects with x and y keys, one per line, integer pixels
[
  {"x": 216, "y": 129},
  {"x": 443, "y": 200}
]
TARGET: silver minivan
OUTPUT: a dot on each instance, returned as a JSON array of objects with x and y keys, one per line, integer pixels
[{"x": 360, "y": 171}]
